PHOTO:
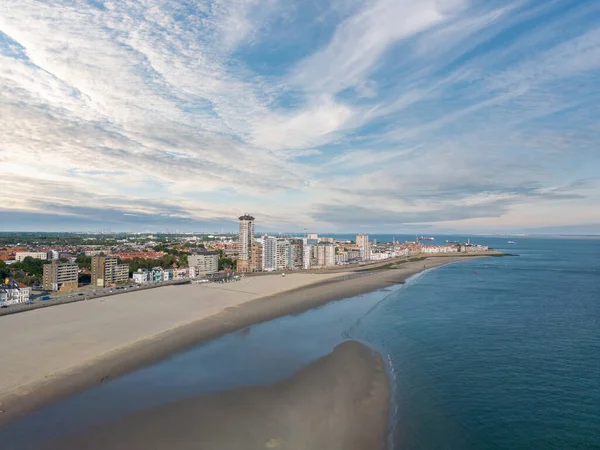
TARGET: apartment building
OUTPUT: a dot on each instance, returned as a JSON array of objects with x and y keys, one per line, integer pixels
[
  {"x": 269, "y": 254},
  {"x": 285, "y": 256},
  {"x": 362, "y": 240},
  {"x": 325, "y": 255},
  {"x": 206, "y": 262},
  {"x": 256, "y": 260},
  {"x": 107, "y": 271},
  {"x": 20, "y": 256},
  {"x": 245, "y": 239},
  {"x": 60, "y": 276}
]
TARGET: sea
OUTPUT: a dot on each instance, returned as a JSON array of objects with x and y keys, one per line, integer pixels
[{"x": 492, "y": 353}]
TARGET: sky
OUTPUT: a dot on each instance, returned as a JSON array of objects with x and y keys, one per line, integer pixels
[{"x": 446, "y": 116}]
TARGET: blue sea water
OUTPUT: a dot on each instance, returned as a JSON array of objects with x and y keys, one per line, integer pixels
[{"x": 487, "y": 353}]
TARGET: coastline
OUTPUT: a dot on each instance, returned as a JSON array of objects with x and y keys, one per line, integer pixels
[
  {"x": 340, "y": 401},
  {"x": 152, "y": 348}
]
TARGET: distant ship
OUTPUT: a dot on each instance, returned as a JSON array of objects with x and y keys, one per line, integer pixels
[
  {"x": 426, "y": 238},
  {"x": 511, "y": 242}
]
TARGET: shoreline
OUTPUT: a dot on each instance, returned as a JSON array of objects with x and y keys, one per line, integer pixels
[
  {"x": 339, "y": 401},
  {"x": 151, "y": 349}
]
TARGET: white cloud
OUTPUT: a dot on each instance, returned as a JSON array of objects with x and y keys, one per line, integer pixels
[
  {"x": 361, "y": 40},
  {"x": 148, "y": 107}
]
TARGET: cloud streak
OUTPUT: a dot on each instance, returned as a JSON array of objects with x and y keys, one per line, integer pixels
[{"x": 481, "y": 115}]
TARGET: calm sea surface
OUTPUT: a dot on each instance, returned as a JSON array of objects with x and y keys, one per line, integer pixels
[{"x": 489, "y": 353}]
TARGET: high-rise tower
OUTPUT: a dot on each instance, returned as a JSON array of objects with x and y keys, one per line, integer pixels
[
  {"x": 246, "y": 238},
  {"x": 362, "y": 240}
]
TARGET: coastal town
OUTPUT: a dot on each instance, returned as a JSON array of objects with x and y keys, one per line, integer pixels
[{"x": 68, "y": 267}]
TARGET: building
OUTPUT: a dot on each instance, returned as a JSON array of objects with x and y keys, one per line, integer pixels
[
  {"x": 341, "y": 258},
  {"x": 308, "y": 244},
  {"x": 362, "y": 240},
  {"x": 168, "y": 275},
  {"x": 297, "y": 254},
  {"x": 53, "y": 255},
  {"x": 12, "y": 293},
  {"x": 157, "y": 275},
  {"x": 306, "y": 256},
  {"x": 60, "y": 276},
  {"x": 245, "y": 239},
  {"x": 285, "y": 256},
  {"x": 141, "y": 276},
  {"x": 206, "y": 262},
  {"x": 313, "y": 236},
  {"x": 353, "y": 254},
  {"x": 325, "y": 255},
  {"x": 269, "y": 254},
  {"x": 106, "y": 271},
  {"x": 256, "y": 260},
  {"x": 20, "y": 256},
  {"x": 121, "y": 274}
]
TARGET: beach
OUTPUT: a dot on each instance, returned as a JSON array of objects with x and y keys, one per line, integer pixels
[
  {"x": 57, "y": 351},
  {"x": 339, "y": 402}
]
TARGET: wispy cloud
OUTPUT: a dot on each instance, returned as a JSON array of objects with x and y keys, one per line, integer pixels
[{"x": 384, "y": 114}]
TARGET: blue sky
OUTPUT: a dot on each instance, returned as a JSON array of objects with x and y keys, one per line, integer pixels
[{"x": 377, "y": 116}]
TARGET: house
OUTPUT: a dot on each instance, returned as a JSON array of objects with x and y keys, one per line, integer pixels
[{"x": 12, "y": 293}]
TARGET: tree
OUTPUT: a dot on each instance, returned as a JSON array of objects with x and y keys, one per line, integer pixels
[
  {"x": 4, "y": 272},
  {"x": 30, "y": 265},
  {"x": 183, "y": 260},
  {"x": 84, "y": 262},
  {"x": 226, "y": 263}
]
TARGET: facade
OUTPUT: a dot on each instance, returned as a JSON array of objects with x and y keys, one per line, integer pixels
[
  {"x": 121, "y": 274},
  {"x": 142, "y": 276},
  {"x": 157, "y": 275},
  {"x": 106, "y": 271},
  {"x": 256, "y": 260},
  {"x": 353, "y": 254},
  {"x": 325, "y": 254},
  {"x": 269, "y": 254},
  {"x": 60, "y": 276},
  {"x": 468, "y": 248},
  {"x": 362, "y": 240},
  {"x": 297, "y": 254},
  {"x": 20, "y": 256},
  {"x": 12, "y": 293},
  {"x": 341, "y": 258},
  {"x": 285, "y": 256},
  {"x": 206, "y": 262},
  {"x": 246, "y": 238},
  {"x": 308, "y": 258}
]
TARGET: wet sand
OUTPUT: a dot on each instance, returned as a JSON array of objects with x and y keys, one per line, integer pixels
[
  {"x": 58, "y": 351},
  {"x": 340, "y": 402}
]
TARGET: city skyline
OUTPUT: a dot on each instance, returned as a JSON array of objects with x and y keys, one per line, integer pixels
[{"x": 447, "y": 116}]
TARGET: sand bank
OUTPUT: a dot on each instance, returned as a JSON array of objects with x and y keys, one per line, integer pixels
[
  {"x": 53, "y": 352},
  {"x": 340, "y": 402}
]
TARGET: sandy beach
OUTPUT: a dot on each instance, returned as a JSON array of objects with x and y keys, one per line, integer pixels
[
  {"x": 339, "y": 402},
  {"x": 57, "y": 351}
]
